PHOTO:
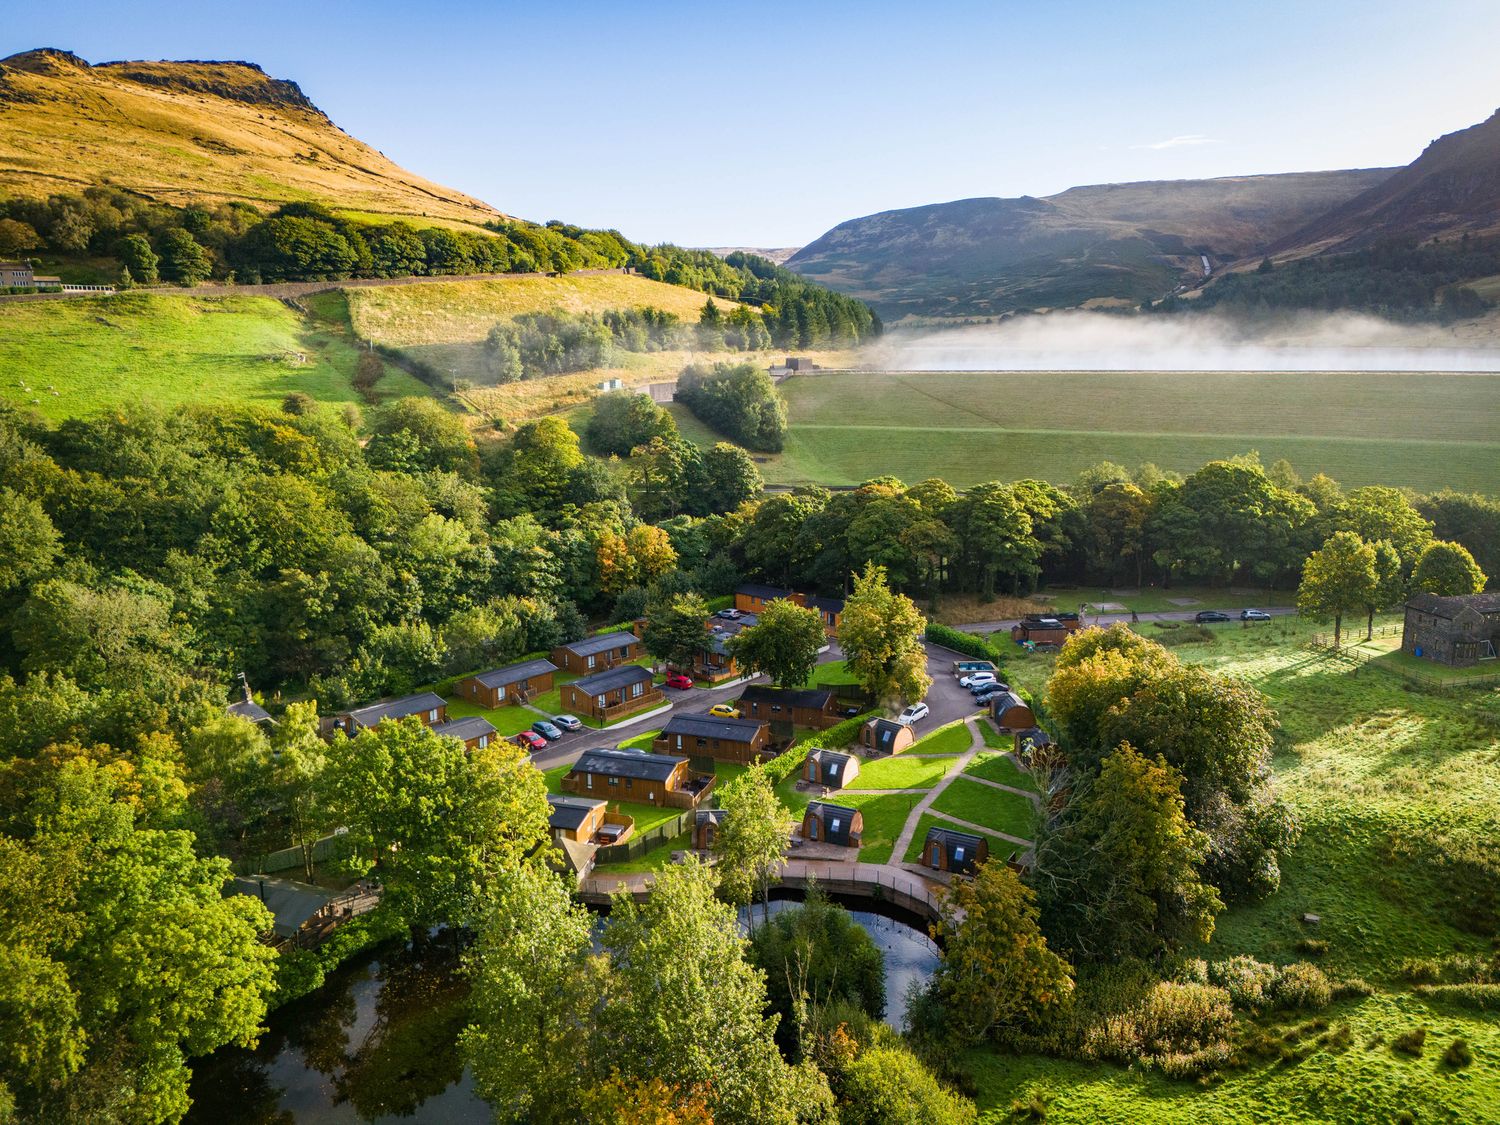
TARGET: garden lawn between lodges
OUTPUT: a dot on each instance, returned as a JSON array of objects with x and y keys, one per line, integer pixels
[
  {"x": 133, "y": 349},
  {"x": 973, "y": 426},
  {"x": 901, "y": 772},
  {"x": 1000, "y": 850},
  {"x": 954, "y": 738},
  {"x": 1001, "y": 768},
  {"x": 996, "y": 809},
  {"x": 1398, "y": 794},
  {"x": 507, "y": 720}
]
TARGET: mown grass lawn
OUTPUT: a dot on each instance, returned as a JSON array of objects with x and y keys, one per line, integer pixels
[
  {"x": 885, "y": 815},
  {"x": 901, "y": 772},
  {"x": 988, "y": 807},
  {"x": 506, "y": 720},
  {"x": 1000, "y": 768},
  {"x": 951, "y": 739},
  {"x": 833, "y": 674},
  {"x": 1000, "y": 849}
]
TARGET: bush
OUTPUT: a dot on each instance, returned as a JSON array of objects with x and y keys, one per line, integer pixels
[
  {"x": 1313, "y": 947},
  {"x": 1410, "y": 1042},
  {"x": 1182, "y": 1029},
  {"x": 966, "y": 643},
  {"x": 1479, "y": 997},
  {"x": 1302, "y": 986},
  {"x": 1249, "y": 982},
  {"x": 844, "y": 734},
  {"x": 1458, "y": 1054}
]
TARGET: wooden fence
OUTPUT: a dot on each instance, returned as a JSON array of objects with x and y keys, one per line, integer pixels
[{"x": 1360, "y": 659}]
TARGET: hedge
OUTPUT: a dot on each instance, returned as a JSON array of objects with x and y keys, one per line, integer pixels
[
  {"x": 966, "y": 643},
  {"x": 836, "y": 737}
]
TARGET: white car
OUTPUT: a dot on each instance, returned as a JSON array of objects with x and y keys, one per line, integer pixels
[
  {"x": 912, "y": 714},
  {"x": 976, "y": 679}
]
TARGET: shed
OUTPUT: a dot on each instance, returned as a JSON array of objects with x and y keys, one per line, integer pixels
[
  {"x": 1011, "y": 712},
  {"x": 515, "y": 683},
  {"x": 947, "y": 849},
  {"x": 886, "y": 736},
  {"x": 830, "y": 768},
  {"x": 825, "y": 823}
]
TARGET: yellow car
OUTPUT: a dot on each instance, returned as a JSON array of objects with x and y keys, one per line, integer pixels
[{"x": 724, "y": 711}]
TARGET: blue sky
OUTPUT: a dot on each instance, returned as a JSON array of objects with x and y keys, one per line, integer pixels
[{"x": 765, "y": 124}]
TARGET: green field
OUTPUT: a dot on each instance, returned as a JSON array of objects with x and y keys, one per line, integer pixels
[
  {"x": 968, "y": 427},
  {"x": 951, "y": 739},
  {"x": 107, "y": 352},
  {"x": 988, "y": 807},
  {"x": 1391, "y": 786},
  {"x": 1000, "y": 768}
]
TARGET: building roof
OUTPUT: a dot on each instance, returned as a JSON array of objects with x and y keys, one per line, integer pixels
[
  {"x": 950, "y": 839},
  {"x": 886, "y": 731},
  {"x": 815, "y": 698},
  {"x": 827, "y": 813},
  {"x": 568, "y": 812},
  {"x": 708, "y": 816},
  {"x": 822, "y": 808},
  {"x": 1004, "y": 701},
  {"x": 1449, "y": 607},
  {"x": 628, "y": 763},
  {"x": 611, "y": 679},
  {"x": 828, "y": 605},
  {"x": 766, "y": 593},
  {"x": 592, "y": 646},
  {"x": 369, "y": 715},
  {"x": 291, "y": 903},
  {"x": 832, "y": 761},
  {"x": 514, "y": 673},
  {"x": 249, "y": 709},
  {"x": 472, "y": 726},
  {"x": 15, "y": 266},
  {"x": 1036, "y": 735},
  {"x": 714, "y": 726}
]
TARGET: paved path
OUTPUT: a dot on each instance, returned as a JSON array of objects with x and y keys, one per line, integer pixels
[
  {"x": 909, "y": 829},
  {"x": 1027, "y": 793}
]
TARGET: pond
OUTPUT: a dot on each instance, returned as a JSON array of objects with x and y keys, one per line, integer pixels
[{"x": 378, "y": 1042}]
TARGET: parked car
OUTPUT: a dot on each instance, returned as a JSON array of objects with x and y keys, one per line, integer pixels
[
  {"x": 1254, "y": 615},
  {"x": 530, "y": 740},
  {"x": 988, "y": 691},
  {"x": 729, "y": 614},
  {"x": 546, "y": 730},
  {"x": 915, "y": 713},
  {"x": 725, "y": 710},
  {"x": 678, "y": 680},
  {"x": 974, "y": 678},
  {"x": 965, "y": 667},
  {"x": 567, "y": 722},
  {"x": 1205, "y": 616}
]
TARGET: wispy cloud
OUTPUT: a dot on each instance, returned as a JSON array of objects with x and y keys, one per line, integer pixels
[{"x": 1184, "y": 141}]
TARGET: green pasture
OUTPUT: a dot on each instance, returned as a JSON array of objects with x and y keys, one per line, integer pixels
[
  {"x": 951, "y": 739},
  {"x": 968, "y": 427},
  {"x": 103, "y": 353}
]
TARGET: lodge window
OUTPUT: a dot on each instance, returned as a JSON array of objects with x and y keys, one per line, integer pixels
[
  {"x": 702, "y": 742},
  {"x": 614, "y": 781},
  {"x": 835, "y": 826},
  {"x": 432, "y": 716},
  {"x": 833, "y": 769},
  {"x": 588, "y": 781},
  {"x": 484, "y": 740},
  {"x": 624, "y": 651},
  {"x": 637, "y": 690},
  {"x": 958, "y": 854},
  {"x": 629, "y": 784},
  {"x": 591, "y": 662},
  {"x": 599, "y": 699}
]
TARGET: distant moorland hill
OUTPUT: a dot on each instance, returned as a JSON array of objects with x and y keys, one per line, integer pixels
[
  {"x": 179, "y": 132},
  {"x": 983, "y": 257}
]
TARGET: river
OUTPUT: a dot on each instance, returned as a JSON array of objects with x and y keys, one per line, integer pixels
[{"x": 378, "y": 1042}]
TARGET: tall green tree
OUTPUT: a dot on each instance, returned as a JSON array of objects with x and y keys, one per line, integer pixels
[
  {"x": 751, "y": 839},
  {"x": 881, "y": 634},
  {"x": 182, "y": 259},
  {"x": 676, "y": 630},
  {"x": 1447, "y": 569},
  {"x": 1338, "y": 579},
  {"x": 783, "y": 643}
]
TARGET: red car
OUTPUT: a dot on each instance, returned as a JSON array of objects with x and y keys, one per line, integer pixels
[
  {"x": 678, "y": 680},
  {"x": 530, "y": 740}
]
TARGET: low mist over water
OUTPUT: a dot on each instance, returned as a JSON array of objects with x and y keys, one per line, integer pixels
[{"x": 1093, "y": 341}]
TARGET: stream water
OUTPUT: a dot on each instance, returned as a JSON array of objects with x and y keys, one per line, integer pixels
[{"x": 378, "y": 1042}]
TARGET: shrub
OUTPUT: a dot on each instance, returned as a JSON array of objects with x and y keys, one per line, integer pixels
[
  {"x": 1458, "y": 1054},
  {"x": 1183, "y": 1029},
  {"x": 1410, "y": 1042},
  {"x": 1313, "y": 947},
  {"x": 1479, "y": 997},
  {"x": 1302, "y": 986},
  {"x": 1249, "y": 982},
  {"x": 844, "y": 734}
]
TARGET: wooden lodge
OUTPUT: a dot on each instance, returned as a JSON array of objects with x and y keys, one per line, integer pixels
[
  {"x": 586, "y": 820},
  {"x": 515, "y": 683},
  {"x": 1457, "y": 631},
  {"x": 612, "y": 695},
  {"x": 1052, "y": 629},
  {"x": 886, "y": 736},
  {"x": 594, "y": 654},
  {"x": 630, "y": 775},
  {"x": 741, "y": 741},
  {"x": 430, "y": 708},
  {"x": 957, "y": 853},
  {"x": 803, "y": 707},
  {"x": 474, "y": 731},
  {"x": 714, "y": 663},
  {"x": 753, "y": 598},
  {"x": 825, "y": 823},
  {"x": 1011, "y": 712},
  {"x": 829, "y": 768}
]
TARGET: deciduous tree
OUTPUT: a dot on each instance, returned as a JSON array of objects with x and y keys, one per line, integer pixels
[
  {"x": 783, "y": 643},
  {"x": 881, "y": 634},
  {"x": 1338, "y": 578},
  {"x": 751, "y": 839},
  {"x": 1447, "y": 569}
]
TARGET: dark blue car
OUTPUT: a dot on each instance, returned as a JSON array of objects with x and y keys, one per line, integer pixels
[{"x": 546, "y": 730}]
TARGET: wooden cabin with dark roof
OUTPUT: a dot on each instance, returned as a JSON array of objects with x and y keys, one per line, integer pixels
[
  {"x": 1458, "y": 631},
  {"x": 474, "y": 731},
  {"x": 886, "y": 736},
  {"x": 515, "y": 683},
  {"x": 587, "y": 820},
  {"x": 826, "y": 823},
  {"x": 430, "y": 708},
  {"x": 753, "y": 598},
  {"x": 740, "y": 741},
  {"x": 1011, "y": 712},
  {"x": 803, "y": 707},
  {"x": 829, "y": 768},
  {"x": 706, "y": 828},
  {"x": 631, "y": 775},
  {"x": 958, "y": 853},
  {"x": 594, "y": 654},
  {"x": 612, "y": 695}
]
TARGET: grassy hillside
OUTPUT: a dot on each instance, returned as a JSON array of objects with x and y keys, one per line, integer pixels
[
  {"x": 1384, "y": 780},
  {"x": 973, "y": 426},
  {"x": 184, "y": 131},
  {"x": 99, "y": 353},
  {"x": 981, "y": 257}
]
